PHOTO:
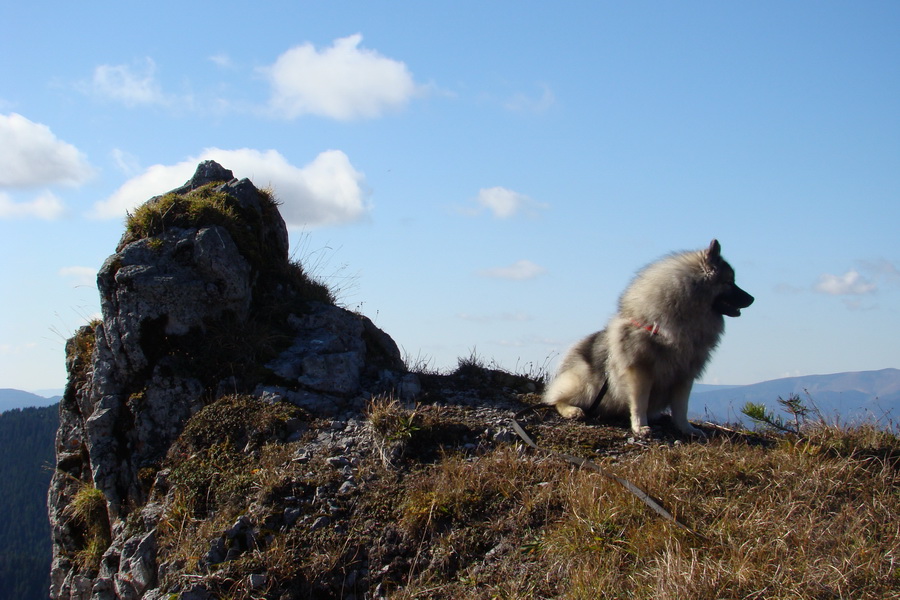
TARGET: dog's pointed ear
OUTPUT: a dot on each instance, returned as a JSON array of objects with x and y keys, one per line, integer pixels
[{"x": 714, "y": 252}]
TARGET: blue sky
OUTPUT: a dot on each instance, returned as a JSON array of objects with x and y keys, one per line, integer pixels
[{"x": 474, "y": 176}]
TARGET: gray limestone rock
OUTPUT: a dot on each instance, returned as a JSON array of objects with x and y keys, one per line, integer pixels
[
  {"x": 137, "y": 567},
  {"x": 183, "y": 305},
  {"x": 167, "y": 286}
]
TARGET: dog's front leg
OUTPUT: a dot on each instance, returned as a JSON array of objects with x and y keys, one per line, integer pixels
[
  {"x": 639, "y": 383},
  {"x": 679, "y": 402}
]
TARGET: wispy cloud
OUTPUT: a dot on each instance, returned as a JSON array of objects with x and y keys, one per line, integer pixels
[
  {"x": 881, "y": 269},
  {"x": 525, "y": 103},
  {"x": 47, "y": 206},
  {"x": 126, "y": 163},
  {"x": 519, "y": 270},
  {"x": 221, "y": 60},
  {"x": 32, "y": 156},
  {"x": 132, "y": 85},
  {"x": 505, "y": 203},
  {"x": 80, "y": 276},
  {"x": 858, "y": 287},
  {"x": 14, "y": 349},
  {"x": 328, "y": 190},
  {"x": 850, "y": 283},
  {"x": 343, "y": 82}
]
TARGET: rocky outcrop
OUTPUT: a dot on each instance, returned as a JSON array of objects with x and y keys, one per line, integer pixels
[{"x": 200, "y": 301}]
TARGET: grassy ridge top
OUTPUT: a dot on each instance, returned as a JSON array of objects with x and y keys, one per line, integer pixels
[{"x": 441, "y": 508}]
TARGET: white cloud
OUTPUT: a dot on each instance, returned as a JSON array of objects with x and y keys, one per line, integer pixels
[
  {"x": 519, "y": 270},
  {"x": 521, "y": 102},
  {"x": 127, "y": 163},
  {"x": 80, "y": 276},
  {"x": 46, "y": 206},
  {"x": 881, "y": 269},
  {"x": 222, "y": 60},
  {"x": 850, "y": 283},
  {"x": 326, "y": 191},
  {"x": 31, "y": 155},
  {"x": 505, "y": 203},
  {"x": 342, "y": 82},
  {"x": 155, "y": 180},
  {"x": 128, "y": 85}
]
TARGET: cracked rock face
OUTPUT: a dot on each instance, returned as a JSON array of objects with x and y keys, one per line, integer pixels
[
  {"x": 201, "y": 303},
  {"x": 174, "y": 283}
]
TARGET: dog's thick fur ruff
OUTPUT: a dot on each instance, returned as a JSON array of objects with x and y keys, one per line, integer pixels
[{"x": 669, "y": 321}]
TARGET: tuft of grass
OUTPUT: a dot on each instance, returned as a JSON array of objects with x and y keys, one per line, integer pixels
[
  {"x": 390, "y": 420},
  {"x": 316, "y": 266},
  {"x": 89, "y": 556},
  {"x": 213, "y": 479},
  {"x": 237, "y": 420},
  {"x": 89, "y": 504},
  {"x": 476, "y": 373},
  {"x": 538, "y": 373},
  {"x": 393, "y": 427},
  {"x": 88, "y": 511},
  {"x": 470, "y": 365},
  {"x": 863, "y": 441},
  {"x": 202, "y": 206},
  {"x": 214, "y": 461},
  {"x": 80, "y": 348},
  {"x": 308, "y": 286},
  {"x": 421, "y": 364}
]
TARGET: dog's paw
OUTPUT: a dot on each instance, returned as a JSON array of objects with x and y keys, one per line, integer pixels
[
  {"x": 642, "y": 432},
  {"x": 569, "y": 411}
]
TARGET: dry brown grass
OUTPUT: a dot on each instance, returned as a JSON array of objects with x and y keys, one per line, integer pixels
[
  {"x": 800, "y": 520},
  {"x": 795, "y": 517},
  {"x": 779, "y": 524},
  {"x": 390, "y": 421}
]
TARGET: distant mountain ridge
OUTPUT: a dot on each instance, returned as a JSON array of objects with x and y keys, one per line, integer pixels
[
  {"x": 10, "y": 399},
  {"x": 849, "y": 397}
]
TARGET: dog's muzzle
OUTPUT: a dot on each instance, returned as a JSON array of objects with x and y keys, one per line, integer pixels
[{"x": 731, "y": 302}]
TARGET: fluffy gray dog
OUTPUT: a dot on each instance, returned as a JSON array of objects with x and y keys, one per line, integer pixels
[{"x": 669, "y": 321}]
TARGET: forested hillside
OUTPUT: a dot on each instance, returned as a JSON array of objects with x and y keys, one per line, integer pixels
[{"x": 26, "y": 445}]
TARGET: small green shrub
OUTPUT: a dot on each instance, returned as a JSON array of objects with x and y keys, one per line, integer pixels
[{"x": 794, "y": 406}]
